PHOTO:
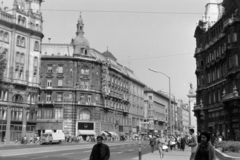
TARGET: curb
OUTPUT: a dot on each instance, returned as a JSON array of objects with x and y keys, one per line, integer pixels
[{"x": 223, "y": 156}]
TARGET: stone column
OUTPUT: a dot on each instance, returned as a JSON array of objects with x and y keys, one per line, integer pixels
[
  {"x": 24, "y": 122},
  {"x": 8, "y": 132}
]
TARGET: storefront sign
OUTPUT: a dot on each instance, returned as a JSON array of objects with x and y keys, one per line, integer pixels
[{"x": 85, "y": 126}]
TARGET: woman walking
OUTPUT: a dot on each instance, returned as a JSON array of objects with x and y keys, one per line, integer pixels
[
  {"x": 205, "y": 150},
  {"x": 160, "y": 143}
]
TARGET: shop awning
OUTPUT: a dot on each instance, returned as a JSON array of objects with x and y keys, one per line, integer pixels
[
  {"x": 106, "y": 134},
  {"x": 109, "y": 134},
  {"x": 86, "y": 132},
  {"x": 114, "y": 134}
]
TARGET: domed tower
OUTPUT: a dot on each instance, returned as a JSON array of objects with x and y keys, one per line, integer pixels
[{"x": 80, "y": 44}]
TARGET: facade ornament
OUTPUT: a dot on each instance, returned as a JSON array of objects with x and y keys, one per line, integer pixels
[
  {"x": 235, "y": 92},
  {"x": 201, "y": 103},
  {"x": 224, "y": 93}
]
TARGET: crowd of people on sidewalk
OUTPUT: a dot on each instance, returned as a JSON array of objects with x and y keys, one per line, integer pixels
[{"x": 202, "y": 144}]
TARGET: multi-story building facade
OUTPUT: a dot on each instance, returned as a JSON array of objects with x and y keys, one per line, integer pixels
[
  {"x": 217, "y": 52},
  {"x": 81, "y": 87},
  {"x": 156, "y": 105},
  {"x": 136, "y": 103},
  {"x": 20, "y": 38},
  {"x": 179, "y": 123}
]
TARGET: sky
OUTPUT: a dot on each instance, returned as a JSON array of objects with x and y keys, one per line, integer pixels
[{"x": 156, "y": 34}]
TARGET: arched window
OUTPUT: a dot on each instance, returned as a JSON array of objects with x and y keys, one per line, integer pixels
[
  {"x": 18, "y": 40},
  {"x": 1, "y": 35},
  {"x": 17, "y": 57},
  {"x": 36, "y": 46},
  {"x": 19, "y": 19},
  {"x": 23, "y": 42},
  {"x": 24, "y": 21},
  {"x": 17, "y": 98},
  {"x": 22, "y": 58},
  {"x": 84, "y": 115},
  {"x": 6, "y": 37}
]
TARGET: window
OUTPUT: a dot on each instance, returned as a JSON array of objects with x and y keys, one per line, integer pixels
[
  {"x": 17, "y": 98},
  {"x": 3, "y": 113},
  {"x": 22, "y": 58},
  {"x": 6, "y": 37},
  {"x": 85, "y": 71},
  {"x": 16, "y": 114},
  {"x": 229, "y": 38},
  {"x": 49, "y": 97},
  {"x": 230, "y": 62},
  {"x": 35, "y": 62},
  {"x": 48, "y": 113},
  {"x": 49, "y": 83},
  {"x": 36, "y": 46},
  {"x": 89, "y": 98},
  {"x": 18, "y": 40},
  {"x": 235, "y": 60},
  {"x": 85, "y": 115},
  {"x": 49, "y": 70},
  {"x": 17, "y": 57},
  {"x": 58, "y": 113},
  {"x": 59, "y": 97},
  {"x": 234, "y": 37},
  {"x": 23, "y": 42},
  {"x": 60, "y": 69},
  {"x": 60, "y": 82},
  {"x": 39, "y": 113}
]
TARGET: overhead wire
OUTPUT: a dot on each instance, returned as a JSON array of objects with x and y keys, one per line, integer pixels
[{"x": 173, "y": 55}]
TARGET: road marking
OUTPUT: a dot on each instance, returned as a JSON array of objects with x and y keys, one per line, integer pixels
[
  {"x": 39, "y": 157},
  {"x": 86, "y": 151},
  {"x": 67, "y": 154}
]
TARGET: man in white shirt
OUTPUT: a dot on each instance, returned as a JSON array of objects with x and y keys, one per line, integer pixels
[{"x": 193, "y": 144}]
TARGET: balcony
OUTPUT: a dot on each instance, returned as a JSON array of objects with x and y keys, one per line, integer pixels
[
  {"x": 231, "y": 97},
  {"x": 6, "y": 16},
  {"x": 230, "y": 21}
]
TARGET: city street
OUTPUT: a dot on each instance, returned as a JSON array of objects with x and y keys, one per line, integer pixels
[{"x": 119, "y": 151}]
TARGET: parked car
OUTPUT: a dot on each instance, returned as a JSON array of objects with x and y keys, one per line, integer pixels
[{"x": 49, "y": 138}]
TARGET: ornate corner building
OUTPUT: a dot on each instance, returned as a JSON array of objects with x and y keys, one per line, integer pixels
[
  {"x": 20, "y": 38},
  {"x": 217, "y": 51},
  {"x": 81, "y": 87}
]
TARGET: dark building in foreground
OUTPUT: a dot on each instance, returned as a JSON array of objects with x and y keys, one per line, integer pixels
[{"x": 218, "y": 72}]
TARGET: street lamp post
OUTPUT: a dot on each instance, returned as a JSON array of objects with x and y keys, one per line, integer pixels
[{"x": 169, "y": 105}]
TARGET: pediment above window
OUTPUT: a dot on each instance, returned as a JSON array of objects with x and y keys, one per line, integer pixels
[{"x": 49, "y": 76}]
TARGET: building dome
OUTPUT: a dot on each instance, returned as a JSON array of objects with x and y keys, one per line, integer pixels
[{"x": 80, "y": 41}]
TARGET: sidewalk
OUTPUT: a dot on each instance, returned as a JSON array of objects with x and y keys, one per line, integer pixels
[{"x": 170, "y": 155}]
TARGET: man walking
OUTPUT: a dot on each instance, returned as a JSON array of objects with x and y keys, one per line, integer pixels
[
  {"x": 152, "y": 143},
  {"x": 193, "y": 144},
  {"x": 100, "y": 151}
]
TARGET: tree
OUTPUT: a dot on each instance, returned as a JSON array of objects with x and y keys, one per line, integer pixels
[{"x": 2, "y": 65}]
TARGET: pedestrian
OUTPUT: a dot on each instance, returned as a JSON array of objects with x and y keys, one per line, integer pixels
[
  {"x": 160, "y": 143},
  {"x": 193, "y": 144},
  {"x": 25, "y": 139},
  {"x": 199, "y": 136},
  {"x": 100, "y": 151},
  {"x": 152, "y": 143},
  {"x": 205, "y": 150},
  {"x": 31, "y": 139},
  {"x": 182, "y": 143}
]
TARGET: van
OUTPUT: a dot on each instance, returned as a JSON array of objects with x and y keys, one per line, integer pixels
[{"x": 49, "y": 138}]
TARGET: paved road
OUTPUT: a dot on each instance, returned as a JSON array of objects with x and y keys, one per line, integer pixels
[{"x": 119, "y": 151}]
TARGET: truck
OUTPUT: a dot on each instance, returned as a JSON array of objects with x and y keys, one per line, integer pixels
[{"x": 49, "y": 138}]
